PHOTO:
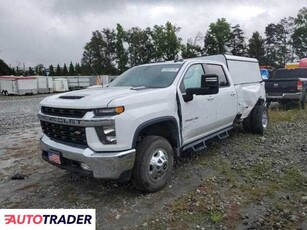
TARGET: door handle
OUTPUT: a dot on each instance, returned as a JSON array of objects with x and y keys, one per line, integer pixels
[
  {"x": 210, "y": 98},
  {"x": 232, "y": 94}
]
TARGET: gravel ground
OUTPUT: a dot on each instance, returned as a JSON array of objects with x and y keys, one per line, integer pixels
[
  {"x": 243, "y": 182},
  {"x": 18, "y": 113}
]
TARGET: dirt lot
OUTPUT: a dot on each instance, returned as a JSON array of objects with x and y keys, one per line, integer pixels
[{"x": 243, "y": 182}]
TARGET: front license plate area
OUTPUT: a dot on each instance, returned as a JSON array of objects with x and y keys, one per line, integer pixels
[{"x": 54, "y": 157}]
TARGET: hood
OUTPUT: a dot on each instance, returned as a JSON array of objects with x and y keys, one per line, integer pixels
[{"x": 90, "y": 98}]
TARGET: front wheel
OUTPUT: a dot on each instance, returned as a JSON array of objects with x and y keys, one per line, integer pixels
[
  {"x": 260, "y": 119},
  {"x": 153, "y": 164}
]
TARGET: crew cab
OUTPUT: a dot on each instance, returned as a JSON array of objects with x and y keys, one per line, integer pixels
[
  {"x": 137, "y": 125},
  {"x": 288, "y": 86}
]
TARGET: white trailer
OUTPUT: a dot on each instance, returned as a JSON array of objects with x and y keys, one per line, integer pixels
[
  {"x": 78, "y": 82},
  {"x": 60, "y": 85},
  {"x": 107, "y": 79},
  {"x": 12, "y": 85},
  {"x": 44, "y": 84}
]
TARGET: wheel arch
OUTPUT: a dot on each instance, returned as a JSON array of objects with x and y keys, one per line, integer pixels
[{"x": 166, "y": 127}]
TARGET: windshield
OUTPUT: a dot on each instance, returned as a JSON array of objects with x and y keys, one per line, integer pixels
[
  {"x": 291, "y": 73},
  {"x": 151, "y": 76}
]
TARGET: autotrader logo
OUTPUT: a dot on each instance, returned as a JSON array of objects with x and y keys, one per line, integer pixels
[{"x": 48, "y": 219}]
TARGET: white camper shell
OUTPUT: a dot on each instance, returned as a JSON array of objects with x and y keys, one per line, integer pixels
[
  {"x": 246, "y": 77},
  {"x": 12, "y": 85}
]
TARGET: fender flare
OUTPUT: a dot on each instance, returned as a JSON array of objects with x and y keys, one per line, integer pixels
[{"x": 152, "y": 122}]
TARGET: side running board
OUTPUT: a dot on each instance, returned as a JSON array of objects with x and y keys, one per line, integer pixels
[{"x": 201, "y": 143}]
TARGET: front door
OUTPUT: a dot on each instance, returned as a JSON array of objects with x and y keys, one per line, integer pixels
[{"x": 198, "y": 115}]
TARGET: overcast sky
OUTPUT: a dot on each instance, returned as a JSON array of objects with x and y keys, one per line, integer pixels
[{"x": 55, "y": 31}]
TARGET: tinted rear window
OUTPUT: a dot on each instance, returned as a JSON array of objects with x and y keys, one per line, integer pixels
[{"x": 291, "y": 73}]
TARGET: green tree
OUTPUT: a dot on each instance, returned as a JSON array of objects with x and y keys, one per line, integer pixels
[
  {"x": 38, "y": 69},
  {"x": 86, "y": 70},
  {"x": 77, "y": 69},
  {"x": 192, "y": 49},
  {"x": 256, "y": 48},
  {"x": 121, "y": 52},
  {"x": 99, "y": 54},
  {"x": 31, "y": 71},
  {"x": 65, "y": 71},
  {"x": 217, "y": 37},
  {"x": 287, "y": 50},
  {"x": 140, "y": 46},
  {"x": 237, "y": 43},
  {"x": 58, "y": 71},
  {"x": 271, "y": 54},
  {"x": 277, "y": 43},
  {"x": 166, "y": 43},
  {"x": 71, "y": 71},
  {"x": 300, "y": 33},
  {"x": 51, "y": 70},
  {"x": 14, "y": 72},
  {"x": 4, "y": 68}
]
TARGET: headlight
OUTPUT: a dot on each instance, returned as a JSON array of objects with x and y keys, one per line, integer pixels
[
  {"x": 109, "y": 111},
  {"x": 107, "y": 134}
]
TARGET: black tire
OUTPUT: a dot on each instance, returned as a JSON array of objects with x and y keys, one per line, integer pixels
[
  {"x": 144, "y": 172},
  {"x": 303, "y": 101},
  {"x": 258, "y": 124},
  {"x": 247, "y": 123}
]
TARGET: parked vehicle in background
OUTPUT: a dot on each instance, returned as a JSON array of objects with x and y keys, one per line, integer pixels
[
  {"x": 135, "y": 127},
  {"x": 44, "y": 84},
  {"x": 288, "y": 86},
  {"x": 265, "y": 74},
  {"x": 303, "y": 63},
  {"x": 292, "y": 65},
  {"x": 60, "y": 85},
  {"x": 12, "y": 85}
]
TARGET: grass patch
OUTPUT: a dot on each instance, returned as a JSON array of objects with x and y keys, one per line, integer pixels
[
  {"x": 215, "y": 216},
  {"x": 290, "y": 115},
  {"x": 261, "y": 169},
  {"x": 293, "y": 178},
  {"x": 224, "y": 167}
]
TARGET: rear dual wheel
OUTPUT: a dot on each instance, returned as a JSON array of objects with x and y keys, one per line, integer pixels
[
  {"x": 257, "y": 121},
  {"x": 303, "y": 101}
]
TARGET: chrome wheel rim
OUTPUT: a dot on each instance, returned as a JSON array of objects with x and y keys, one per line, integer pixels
[
  {"x": 264, "y": 119},
  {"x": 158, "y": 164}
]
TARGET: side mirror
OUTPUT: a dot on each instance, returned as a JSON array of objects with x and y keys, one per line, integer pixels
[
  {"x": 209, "y": 85},
  {"x": 210, "y": 81}
]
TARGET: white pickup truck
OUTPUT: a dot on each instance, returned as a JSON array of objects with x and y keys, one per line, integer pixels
[{"x": 137, "y": 125}]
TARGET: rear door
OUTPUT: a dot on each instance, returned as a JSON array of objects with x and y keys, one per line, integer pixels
[
  {"x": 226, "y": 100},
  {"x": 198, "y": 115}
]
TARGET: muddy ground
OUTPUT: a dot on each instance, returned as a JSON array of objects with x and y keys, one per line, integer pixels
[{"x": 243, "y": 182}]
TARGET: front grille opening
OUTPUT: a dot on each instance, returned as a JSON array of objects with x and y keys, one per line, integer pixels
[
  {"x": 65, "y": 133},
  {"x": 74, "y": 113}
]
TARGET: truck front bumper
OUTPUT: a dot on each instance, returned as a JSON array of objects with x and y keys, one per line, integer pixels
[
  {"x": 106, "y": 165},
  {"x": 284, "y": 96}
]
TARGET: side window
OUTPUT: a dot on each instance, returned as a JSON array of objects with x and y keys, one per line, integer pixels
[
  {"x": 192, "y": 78},
  {"x": 218, "y": 70}
]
